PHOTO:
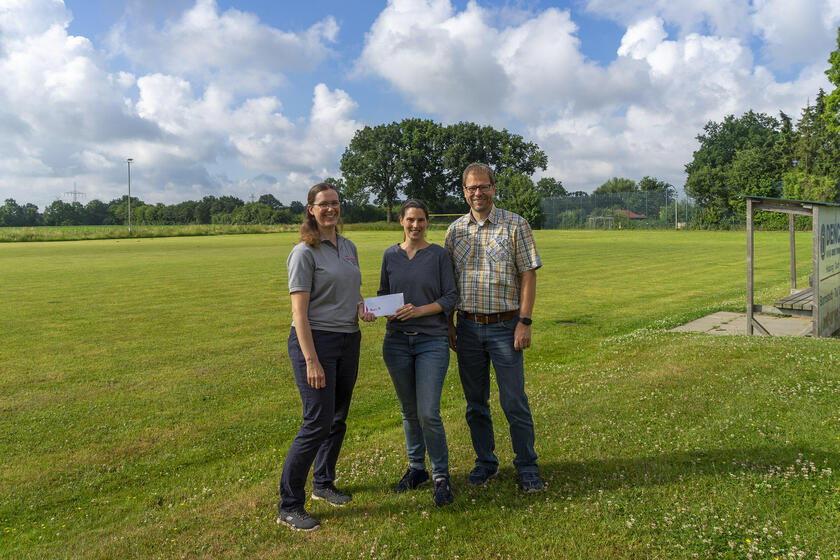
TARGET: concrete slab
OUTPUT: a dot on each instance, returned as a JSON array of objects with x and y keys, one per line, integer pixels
[{"x": 728, "y": 322}]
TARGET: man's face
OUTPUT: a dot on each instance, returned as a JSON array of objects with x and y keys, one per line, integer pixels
[{"x": 480, "y": 198}]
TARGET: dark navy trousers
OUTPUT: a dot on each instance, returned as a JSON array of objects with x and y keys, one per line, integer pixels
[{"x": 324, "y": 413}]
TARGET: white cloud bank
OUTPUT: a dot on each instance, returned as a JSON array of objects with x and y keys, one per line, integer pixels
[
  {"x": 196, "y": 96},
  {"x": 65, "y": 117},
  {"x": 637, "y": 115}
]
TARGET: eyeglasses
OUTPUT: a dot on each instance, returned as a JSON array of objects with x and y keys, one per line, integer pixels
[
  {"x": 482, "y": 188},
  {"x": 330, "y": 204}
]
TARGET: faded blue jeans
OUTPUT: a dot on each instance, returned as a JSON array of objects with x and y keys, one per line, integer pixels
[
  {"x": 417, "y": 364},
  {"x": 477, "y": 346}
]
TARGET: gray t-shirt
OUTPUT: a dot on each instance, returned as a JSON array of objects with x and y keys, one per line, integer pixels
[
  {"x": 332, "y": 277},
  {"x": 426, "y": 278}
]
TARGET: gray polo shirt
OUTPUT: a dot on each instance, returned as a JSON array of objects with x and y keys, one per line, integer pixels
[{"x": 332, "y": 277}]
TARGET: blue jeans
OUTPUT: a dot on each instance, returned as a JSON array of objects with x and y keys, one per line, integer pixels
[
  {"x": 324, "y": 413},
  {"x": 417, "y": 364},
  {"x": 477, "y": 346}
]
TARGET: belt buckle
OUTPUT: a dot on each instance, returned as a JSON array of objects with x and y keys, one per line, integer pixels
[{"x": 485, "y": 319}]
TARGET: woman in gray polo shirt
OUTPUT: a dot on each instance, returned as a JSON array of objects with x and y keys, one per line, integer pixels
[
  {"x": 416, "y": 345},
  {"x": 324, "y": 283}
]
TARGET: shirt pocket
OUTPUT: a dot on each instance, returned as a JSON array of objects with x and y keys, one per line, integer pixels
[{"x": 499, "y": 250}]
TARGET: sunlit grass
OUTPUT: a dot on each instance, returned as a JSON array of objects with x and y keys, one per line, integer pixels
[{"x": 147, "y": 403}]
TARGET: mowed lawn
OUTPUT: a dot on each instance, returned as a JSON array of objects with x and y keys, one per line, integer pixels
[{"x": 147, "y": 403}]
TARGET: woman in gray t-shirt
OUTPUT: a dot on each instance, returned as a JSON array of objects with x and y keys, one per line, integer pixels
[
  {"x": 324, "y": 282},
  {"x": 416, "y": 345}
]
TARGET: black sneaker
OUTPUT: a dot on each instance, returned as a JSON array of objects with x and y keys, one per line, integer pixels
[
  {"x": 443, "y": 492},
  {"x": 481, "y": 474},
  {"x": 531, "y": 482},
  {"x": 298, "y": 520},
  {"x": 412, "y": 479},
  {"x": 331, "y": 494}
]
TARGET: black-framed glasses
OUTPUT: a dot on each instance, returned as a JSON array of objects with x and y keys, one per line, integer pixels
[
  {"x": 330, "y": 204},
  {"x": 482, "y": 188}
]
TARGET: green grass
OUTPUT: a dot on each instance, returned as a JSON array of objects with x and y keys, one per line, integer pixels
[
  {"x": 147, "y": 403},
  {"x": 77, "y": 233}
]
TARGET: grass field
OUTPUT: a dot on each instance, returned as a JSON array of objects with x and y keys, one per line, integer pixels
[
  {"x": 78, "y": 233},
  {"x": 147, "y": 403}
]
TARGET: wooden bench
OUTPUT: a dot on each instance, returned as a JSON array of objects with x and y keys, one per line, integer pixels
[{"x": 799, "y": 303}]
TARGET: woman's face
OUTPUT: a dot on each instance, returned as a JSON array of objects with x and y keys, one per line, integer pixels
[
  {"x": 326, "y": 208},
  {"x": 414, "y": 224}
]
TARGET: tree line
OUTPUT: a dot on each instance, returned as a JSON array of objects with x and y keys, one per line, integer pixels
[
  {"x": 414, "y": 158},
  {"x": 208, "y": 210},
  {"x": 761, "y": 155}
]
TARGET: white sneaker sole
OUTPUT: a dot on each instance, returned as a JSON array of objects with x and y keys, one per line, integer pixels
[{"x": 314, "y": 497}]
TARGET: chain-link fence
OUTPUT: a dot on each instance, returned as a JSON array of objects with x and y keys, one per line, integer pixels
[{"x": 657, "y": 209}]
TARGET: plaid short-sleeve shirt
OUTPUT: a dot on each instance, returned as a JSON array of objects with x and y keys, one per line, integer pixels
[{"x": 489, "y": 258}]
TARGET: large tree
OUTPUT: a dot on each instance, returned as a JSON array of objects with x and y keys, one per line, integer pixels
[
  {"x": 516, "y": 192},
  {"x": 421, "y": 153},
  {"x": 549, "y": 186},
  {"x": 617, "y": 185},
  {"x": 372, "y": 164},
  {"x": 500, "y": 149},
  {"x": 831, "y": 113},
  {"x": 60, "y": 213},
  {"x": 713, "y": 182},
  {"x": 419, "y": 158},
  {"x": 13, "y": 214}
]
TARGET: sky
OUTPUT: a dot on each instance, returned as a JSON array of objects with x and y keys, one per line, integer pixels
[{"x": 248, "y": 97}]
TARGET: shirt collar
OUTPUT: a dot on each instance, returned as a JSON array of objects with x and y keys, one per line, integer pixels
[
  {"x": 491, "y": 217},
  {"x": 337, "y": 239}
]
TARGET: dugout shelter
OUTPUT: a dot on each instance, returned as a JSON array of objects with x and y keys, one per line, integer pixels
[{"x": 821, "y": 299}]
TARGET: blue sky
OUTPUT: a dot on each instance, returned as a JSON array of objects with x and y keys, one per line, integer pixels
[{"x": 248, "y": 97}]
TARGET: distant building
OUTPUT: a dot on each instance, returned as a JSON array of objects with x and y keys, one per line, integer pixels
[{"x": 629, "y": 214}]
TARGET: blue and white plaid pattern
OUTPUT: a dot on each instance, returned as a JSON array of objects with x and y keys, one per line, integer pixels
[{"x": 488, "y": 260}]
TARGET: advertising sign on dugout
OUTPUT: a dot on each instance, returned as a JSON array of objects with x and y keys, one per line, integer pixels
[{"x": 828, "y": 265}]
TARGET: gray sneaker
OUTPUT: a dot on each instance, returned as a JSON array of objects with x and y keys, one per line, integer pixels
[
  {"x": 298, "y": 520},
  {"x": 331, "y": 494}
]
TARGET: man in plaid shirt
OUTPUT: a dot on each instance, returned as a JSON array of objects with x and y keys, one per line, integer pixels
[{"x": 495, "y": 262}]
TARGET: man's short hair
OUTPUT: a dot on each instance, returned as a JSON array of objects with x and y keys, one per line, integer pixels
[{"x": 482, "y": 168}]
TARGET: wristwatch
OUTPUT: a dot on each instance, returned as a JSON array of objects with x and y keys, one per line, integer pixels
[{"x": 525, "y": 321}]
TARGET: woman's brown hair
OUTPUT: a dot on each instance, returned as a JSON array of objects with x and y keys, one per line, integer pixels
[{"x": 309, "y": 228}]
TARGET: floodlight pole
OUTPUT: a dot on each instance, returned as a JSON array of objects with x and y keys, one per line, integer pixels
[{"x": 128, "y": 161}]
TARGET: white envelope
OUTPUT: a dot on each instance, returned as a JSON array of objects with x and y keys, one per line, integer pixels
[{"x": 384, "y": 305}]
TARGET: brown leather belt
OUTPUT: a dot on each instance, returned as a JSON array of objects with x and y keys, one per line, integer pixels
[{"x": 488, "y": 318}]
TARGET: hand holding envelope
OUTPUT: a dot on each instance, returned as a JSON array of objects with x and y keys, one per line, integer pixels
[{"x": 384, "y": 305}]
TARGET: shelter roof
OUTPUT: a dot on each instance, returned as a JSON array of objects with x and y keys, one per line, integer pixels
[{"x": 790, "y": 200}]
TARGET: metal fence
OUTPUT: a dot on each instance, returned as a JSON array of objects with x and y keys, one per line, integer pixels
[{"x": 657, "y": 209}]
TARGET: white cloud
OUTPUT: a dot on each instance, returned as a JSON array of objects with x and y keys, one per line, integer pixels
[
  {"x": 635, "y": 116},
  {"x": 717, "y": 17},
  {"x": 642, "y": 38},
  {"x": 22, "y": 18},
  {"x": 437, "y": 58},
  {"x": 232, "y": 47},
  {"x": 65, "y": 117},
  {"x": 796, "y": 31}
]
